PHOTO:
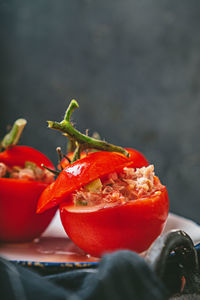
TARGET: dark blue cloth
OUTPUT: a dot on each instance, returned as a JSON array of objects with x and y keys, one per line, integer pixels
[{"x": 121, "y": 275}]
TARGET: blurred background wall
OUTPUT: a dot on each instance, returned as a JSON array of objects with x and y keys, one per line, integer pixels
[{"x": 134, "y": 67}]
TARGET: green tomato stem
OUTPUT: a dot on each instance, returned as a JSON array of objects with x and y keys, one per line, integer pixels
[
  {"x": 13, "y": 136},
  {"x": 84, "y": 142},
  {"x": 50, "y": 170},
  {"x": 72, "y": 106},
  {"x": 77, "y": 153},
  {"x": 71, "y": 145}
]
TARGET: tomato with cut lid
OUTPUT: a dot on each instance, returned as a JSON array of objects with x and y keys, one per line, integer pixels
[
  {"x": 22, "y": 180},
  {"x": 107, "y": 200},
  {"x": 101, "y": 226}
]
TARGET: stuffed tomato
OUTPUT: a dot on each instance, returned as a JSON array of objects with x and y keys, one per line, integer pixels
[
  {"x": 108, "y": 201},
  {"x": 22, "y": 180}
]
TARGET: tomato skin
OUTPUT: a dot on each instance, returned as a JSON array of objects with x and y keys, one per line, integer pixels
[
  {"x": 134, "y": 225},
  {"x": 18, "y": 219},
  {"x": 65, "y": 163},
  {"x": 18, "y": 198}
]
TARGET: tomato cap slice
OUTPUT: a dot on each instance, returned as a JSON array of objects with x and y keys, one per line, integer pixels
[{"x": 80, "y": 173}]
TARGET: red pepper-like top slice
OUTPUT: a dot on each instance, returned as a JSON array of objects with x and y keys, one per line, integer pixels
[{"x": 80, "y": 173}]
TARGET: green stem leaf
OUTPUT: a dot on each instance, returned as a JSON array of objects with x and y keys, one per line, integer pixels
[
  {"x": 77, "y": 153},
  {"x": 84, "y": 141},
  {"x": 13, "y": 136}
]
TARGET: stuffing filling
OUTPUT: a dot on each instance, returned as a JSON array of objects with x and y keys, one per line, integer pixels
[
  {"x": 130, "y": 184},
  {"x": 30, "y": 171}
]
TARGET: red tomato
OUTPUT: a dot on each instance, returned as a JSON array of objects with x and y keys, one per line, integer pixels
[
  {"x": 18, "y": 198},
  {"x": 134, "y": 225}
]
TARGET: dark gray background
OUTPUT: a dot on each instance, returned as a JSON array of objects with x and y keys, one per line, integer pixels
[{"x": 134, "y": 67}]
